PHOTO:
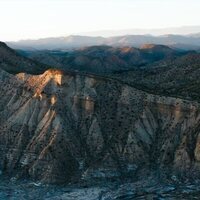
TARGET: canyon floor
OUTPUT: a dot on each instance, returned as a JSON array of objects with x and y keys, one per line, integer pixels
[{"x": 150, "y": 188}]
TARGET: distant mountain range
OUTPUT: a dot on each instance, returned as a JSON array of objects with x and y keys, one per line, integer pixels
[{"x": 183, "y": 42}]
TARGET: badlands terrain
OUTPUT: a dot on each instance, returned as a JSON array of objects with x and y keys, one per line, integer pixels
[{"x": 126, "y": 127}]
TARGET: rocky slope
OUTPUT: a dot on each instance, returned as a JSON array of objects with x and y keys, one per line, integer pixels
[
  {"x": 177, "y": 77},
  {"x": 58, "y": 126}
]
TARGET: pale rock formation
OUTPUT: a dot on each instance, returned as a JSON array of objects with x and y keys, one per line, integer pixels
[{"x": 57, "y": 126}]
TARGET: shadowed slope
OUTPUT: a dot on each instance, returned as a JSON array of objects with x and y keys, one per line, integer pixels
[{"x": 15, "y": 63}]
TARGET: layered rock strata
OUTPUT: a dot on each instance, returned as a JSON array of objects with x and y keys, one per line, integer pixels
[{"x": 57, "y": 126}]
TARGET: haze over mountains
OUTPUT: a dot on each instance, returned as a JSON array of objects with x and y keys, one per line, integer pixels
[
  {"x": 184, "y": 30},
  {"x": 184, "y": 42}
]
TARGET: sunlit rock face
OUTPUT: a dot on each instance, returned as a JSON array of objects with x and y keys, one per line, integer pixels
[{"x": 58, "y": 126}]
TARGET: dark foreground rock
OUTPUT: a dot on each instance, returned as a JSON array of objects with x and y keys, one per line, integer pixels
[{"x": 146, "y": 188}]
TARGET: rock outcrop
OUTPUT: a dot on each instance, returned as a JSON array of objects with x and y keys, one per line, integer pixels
[{"x": 57, "y": 126}]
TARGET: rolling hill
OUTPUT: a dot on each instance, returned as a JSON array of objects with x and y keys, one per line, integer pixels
[{"x": 104, "y": 59}]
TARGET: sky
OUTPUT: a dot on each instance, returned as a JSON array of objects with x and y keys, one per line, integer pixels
[{"x": 32, "y": 19}]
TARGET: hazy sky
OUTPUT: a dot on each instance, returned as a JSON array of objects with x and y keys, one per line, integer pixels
[{"x": 23, "y": 19}]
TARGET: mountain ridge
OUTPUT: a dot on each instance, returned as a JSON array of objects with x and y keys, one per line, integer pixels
[
  {"x": 75, "y": 41},
  {"x": 13, "y": 62}
]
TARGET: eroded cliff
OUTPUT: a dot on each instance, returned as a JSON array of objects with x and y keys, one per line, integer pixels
[{"x": 57, "y": 126}]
